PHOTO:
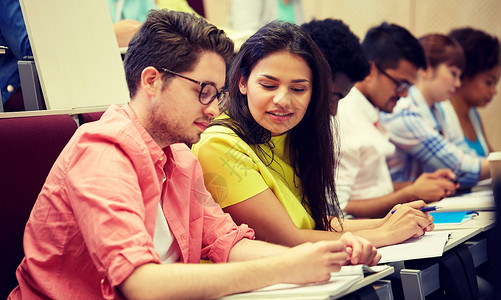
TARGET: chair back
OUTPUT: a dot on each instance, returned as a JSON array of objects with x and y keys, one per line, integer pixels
[{"x": 28, "y": 148}]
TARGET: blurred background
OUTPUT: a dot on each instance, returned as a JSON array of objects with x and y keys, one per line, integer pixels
[{"x": 418, "y": 16}]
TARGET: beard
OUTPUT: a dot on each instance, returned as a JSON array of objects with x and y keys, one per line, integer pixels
[{"x": 167, "y": 129}]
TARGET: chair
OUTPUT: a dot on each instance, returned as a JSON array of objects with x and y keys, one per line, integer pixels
[
  {"x": 28, "y": 148},
  {"x": 89, "y": 117}
]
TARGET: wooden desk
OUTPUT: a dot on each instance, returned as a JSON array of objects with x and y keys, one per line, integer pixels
[{"x": 72, "y": 112}]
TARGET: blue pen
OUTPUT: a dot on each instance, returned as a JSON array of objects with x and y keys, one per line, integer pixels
[{"x": 423, "y": 209}]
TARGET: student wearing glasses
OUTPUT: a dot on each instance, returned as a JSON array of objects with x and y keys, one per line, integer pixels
[
  {"x": 269, "y": 161},
  {"x": 363, "y": 183},
  {"x": 417, "y": 125},
  {"x": 124, "y": 212}
]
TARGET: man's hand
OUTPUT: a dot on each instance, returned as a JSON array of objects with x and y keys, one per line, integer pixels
[
  {"x": 313, "y": 262},
  {"x": 434, "y": 186}
]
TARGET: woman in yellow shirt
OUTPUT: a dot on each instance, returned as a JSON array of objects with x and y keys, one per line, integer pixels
[{"x": 269, "y": 160}]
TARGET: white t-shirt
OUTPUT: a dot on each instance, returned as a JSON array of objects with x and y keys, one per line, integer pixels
[{"x": 163, "y": 240}]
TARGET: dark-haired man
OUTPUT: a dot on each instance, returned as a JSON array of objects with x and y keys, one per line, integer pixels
[
  {"x": 363, "y": 183},
  {"x": 125, "y": 201}
]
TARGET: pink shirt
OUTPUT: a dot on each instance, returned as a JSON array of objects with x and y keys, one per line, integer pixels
[{"x": 94, "y": 219}]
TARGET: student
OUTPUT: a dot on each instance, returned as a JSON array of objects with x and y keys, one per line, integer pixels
[
  {"x": 478, "y": 86},
  {"x": 364, "y": 185},
  {"x": 270, "y": 161},
  {"x": 125, "y": 200},
  {"x": 343, "y": 52},
  {"x": 416, "y": 124},
  {"x": 14, "y": 36},
  {"x": 251, "y": 15}
]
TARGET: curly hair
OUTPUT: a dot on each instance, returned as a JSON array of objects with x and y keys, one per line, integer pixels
[
  {"x": 340, "y": 47},
  {"x": 482, "y": 51}
]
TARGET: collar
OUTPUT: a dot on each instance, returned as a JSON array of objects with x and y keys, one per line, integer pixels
[
  {"x": 357, "y": 99},
  {"x": 157, "y": 154},
  {"x": 430, "y": 113}
]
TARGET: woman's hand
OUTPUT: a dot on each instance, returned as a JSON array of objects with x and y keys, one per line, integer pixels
[
  {"x": 361, "y": 250},
  {"x": 407, "y": 221}
]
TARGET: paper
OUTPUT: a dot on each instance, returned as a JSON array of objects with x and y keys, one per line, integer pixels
[
  {"x": 339, "y": 282},
  {"x": 479, "y": 200},
  {"x": 430, "y": 244}
]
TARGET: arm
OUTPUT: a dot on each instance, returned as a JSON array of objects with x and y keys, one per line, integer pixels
[
  {"x": 247, "y": 249},
  {"x": 379, "y": 206},
  {"x": 306, "y": 263},
  {"x": 428, "y": 186},
  {"x": 484, "y": 169},
  {"x": 13, "y": 29},
  {"x": 411, "y": 133},
  {"x": 406, "y": 222},
  {"x": 271, "y": 222},
  {"x": 125, "y": 30}
]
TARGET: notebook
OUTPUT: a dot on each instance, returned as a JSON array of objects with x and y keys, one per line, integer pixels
[
  {"x": 453, "y": 217},
  {"x": 431, "y": 244},
  {"x": 339, "y": 282}
]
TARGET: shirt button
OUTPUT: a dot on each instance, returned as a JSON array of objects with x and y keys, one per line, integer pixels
[{"x": 161, "y": 158}]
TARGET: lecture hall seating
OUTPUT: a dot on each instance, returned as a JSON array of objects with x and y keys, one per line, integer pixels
[{"x": 29, "y": 146}]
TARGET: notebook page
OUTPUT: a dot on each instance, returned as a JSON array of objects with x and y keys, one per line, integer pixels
[{"x": 430, "y": 244}]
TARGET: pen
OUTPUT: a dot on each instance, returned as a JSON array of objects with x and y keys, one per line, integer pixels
[{"x": 423, "y": 209}]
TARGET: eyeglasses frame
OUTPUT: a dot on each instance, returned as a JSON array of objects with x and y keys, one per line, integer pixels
[
  {"x": 401, "y": 85},
  {"x": 202, "y": 86}
]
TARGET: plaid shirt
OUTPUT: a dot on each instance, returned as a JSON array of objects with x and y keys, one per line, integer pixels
[{"x": 417, "y": 131}]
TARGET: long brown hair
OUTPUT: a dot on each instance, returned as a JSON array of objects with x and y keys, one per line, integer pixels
[{"x": 311, "y": 141}]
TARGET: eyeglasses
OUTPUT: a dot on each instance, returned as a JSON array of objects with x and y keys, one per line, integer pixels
[
  {"x": 208, "y": 91},
  {"x": 402, "y": 85}
]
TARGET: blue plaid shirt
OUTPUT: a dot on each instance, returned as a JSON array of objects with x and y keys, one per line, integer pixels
[{"x": 417, "y": 131}]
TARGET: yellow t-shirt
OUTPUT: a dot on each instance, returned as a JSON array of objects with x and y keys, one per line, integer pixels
[{"x": 233, "y": 172}]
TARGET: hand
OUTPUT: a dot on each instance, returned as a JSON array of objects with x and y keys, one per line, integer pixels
[
  {"x": 362, "y": 251},
  {"x": 313, "y": 262},
  {"x": 125, "y": 30},
  {"x": 434, "y": 186},
  {"x": 407, "y": 221}
]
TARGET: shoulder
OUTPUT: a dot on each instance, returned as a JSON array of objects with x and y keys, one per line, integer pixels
[
  {"x": 405, "y": 110},
  {"x": 219, "y": 136},
  {"x": 115, "y": 130},
  {"x": 114, "y": 125},
  {"x": 184, "y": 159}
]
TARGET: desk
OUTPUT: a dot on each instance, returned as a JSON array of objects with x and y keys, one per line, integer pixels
[
  {"x": 417, "y": 284},
  {"x": 370, "y": 279},
  {"x": 484, "y": 221}
]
